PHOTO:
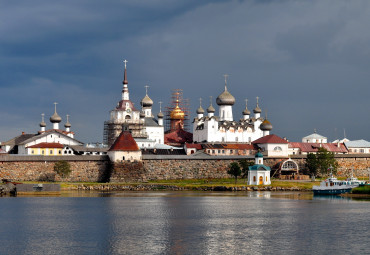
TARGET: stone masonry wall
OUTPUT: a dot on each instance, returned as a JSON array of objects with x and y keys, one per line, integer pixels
[
  {"x": 84, "y": 171},
  {"x": 92, "y": 169}
]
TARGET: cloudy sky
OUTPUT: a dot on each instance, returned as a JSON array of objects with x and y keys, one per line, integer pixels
[{"x": 308, "y": 61}]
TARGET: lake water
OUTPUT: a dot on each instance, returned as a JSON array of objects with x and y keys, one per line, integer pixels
[{"x": 184, "y": 223}]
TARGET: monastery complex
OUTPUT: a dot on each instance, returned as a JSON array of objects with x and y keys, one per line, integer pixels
[{"x": 131, "y": 134}]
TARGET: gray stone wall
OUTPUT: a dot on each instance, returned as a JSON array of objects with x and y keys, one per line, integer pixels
[{"x": 99, "y": 168}]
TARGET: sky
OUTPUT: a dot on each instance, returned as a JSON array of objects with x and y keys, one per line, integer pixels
[{"x": 307, "y": 61}]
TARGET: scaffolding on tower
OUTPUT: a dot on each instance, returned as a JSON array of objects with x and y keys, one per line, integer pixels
[{"x": 177, "y": 96}]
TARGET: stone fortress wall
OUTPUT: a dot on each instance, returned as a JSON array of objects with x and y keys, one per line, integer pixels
[{"x": 100, "y": 169}]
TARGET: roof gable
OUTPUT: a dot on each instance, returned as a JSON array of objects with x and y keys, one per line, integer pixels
[
  {"x": 270, "y": 139},
  {"x": 124, "y": 142},
  {"x": 46, "y": 133},
  {"x": 47, "y": 145}
]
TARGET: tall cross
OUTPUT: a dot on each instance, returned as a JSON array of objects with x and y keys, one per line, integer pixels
[
  {"x": 160, "y": 106},
  {"x": 146, "y": 89},
  {"x": 246, "y": 103},
  {"x": 200, "y": 102},
  {"x": 266, "y": 114},
  {"x": 257, "y": 100},
  {"x": 67, "y": 118},
  {"x": 210, "y": 99},
  {"x": 125, "y": 61},
  {"x": 55, "y": 107}
]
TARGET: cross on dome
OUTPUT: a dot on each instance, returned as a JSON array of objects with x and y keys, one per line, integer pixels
[
  {"x": 226, "y": 76},
  {"x": 146, "y": 89},
  {"x": 125, "y": 61}
]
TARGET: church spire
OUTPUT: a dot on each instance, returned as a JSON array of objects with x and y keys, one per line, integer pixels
[{"x": 125, "y": 94}]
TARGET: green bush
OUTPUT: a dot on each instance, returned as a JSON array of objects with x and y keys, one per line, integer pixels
[{"x": 63, "y": 168}]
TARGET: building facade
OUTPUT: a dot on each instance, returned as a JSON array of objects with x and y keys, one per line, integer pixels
[{"x": 224, "y": 128}]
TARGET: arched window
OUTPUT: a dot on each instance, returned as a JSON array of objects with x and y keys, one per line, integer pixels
[
  {"x": 278, "y": 148},
  {"x": 254, "y": 178},
  {"x": 128, "y": 117}
]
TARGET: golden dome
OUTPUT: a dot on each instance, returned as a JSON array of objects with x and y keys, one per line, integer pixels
[{"x": 177, "y": 113}]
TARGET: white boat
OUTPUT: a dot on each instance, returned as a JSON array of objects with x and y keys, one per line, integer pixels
[
  {"x": 354, "y": 181},
  {"x": 332, "y": 185}
]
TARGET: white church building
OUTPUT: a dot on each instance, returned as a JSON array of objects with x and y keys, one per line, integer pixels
[{"x": 223, "y": 128}]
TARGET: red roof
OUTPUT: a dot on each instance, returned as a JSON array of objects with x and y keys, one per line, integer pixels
[
  {"x": 122, "y": 105},
  {"x": 233, "y": 146},
  {"x": 193, "y": 145},
  {"x": 47, "y": 145},
  {"x": 124, "y": 142},
  {"x": 314, "y": 147},
  {"x": 270, "y": 139},
  {"x": 178, "y": 137}
]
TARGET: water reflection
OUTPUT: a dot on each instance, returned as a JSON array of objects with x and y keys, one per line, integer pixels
[{"x": 182, "y": 223}]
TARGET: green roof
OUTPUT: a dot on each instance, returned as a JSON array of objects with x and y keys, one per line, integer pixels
[
  {"x": 260, "y": 167},
  {"x": 258, "y": 155}
]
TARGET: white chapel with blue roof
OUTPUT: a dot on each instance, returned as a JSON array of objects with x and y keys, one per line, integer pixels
[{"x": 259, "y": 174}]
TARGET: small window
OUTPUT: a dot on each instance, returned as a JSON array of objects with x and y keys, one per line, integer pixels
[
  {"x": 254, "y": 178},
  {"x": 60, "y": 152},
  {"x": 51, "y": 151},
  {"x": 213, "y": 151},
  {"x": 43, "y": 152},
  {"x": 223, "y": 151},
  {"x": 33, "y": 152}
]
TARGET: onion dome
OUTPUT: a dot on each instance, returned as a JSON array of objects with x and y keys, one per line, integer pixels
[
  {"x": 246, "y": 111},
  {"x": 146, "y": 101},
  {"x": 55, "y": 118},
  {"x": 257, "y": 109},
  {"x": 177, "y": 113},
  {"x": 225, "y": 98},
  {"x": 67, "y": 125},
  {"x": 200, "y": 110},
  {"x": 42, "y": 123},
  {"x": 211, "y": 109},
  {"x": 266, "y": 125},
  {"x": 160, "y": 115},
  {"x": 142, "y": 115}
]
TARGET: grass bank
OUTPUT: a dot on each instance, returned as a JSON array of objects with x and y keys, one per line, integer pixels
[{"x": 361, "y": 190}]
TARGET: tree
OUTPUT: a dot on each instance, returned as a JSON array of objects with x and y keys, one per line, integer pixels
[
  {"x": 245, "y": 164},
  {"x": 63, "y": 168},
  {"x": 311, "y": 164},
  {"x": 234, "y": 170},
  {"x": 319, "y": 164},
  {"x": 326, "y": 160}
]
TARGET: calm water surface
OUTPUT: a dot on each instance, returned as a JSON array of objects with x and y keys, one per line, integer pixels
[{"x": 183, "y": 223}]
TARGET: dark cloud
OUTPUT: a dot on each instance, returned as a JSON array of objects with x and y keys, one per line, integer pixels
[{"x": 308, "y": 61}]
